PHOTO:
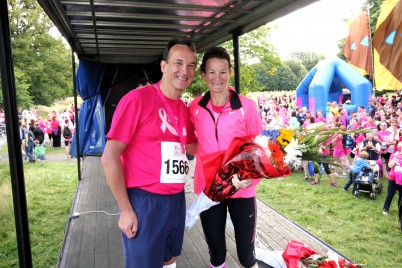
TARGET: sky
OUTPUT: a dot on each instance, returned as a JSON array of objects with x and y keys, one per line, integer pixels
[{"x": 316, "y": 28}]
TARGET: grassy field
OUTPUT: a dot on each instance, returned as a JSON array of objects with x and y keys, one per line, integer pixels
[
  {"x": 50, "y": 192},
  {"x": 59, "y": 106},
  {"x": 355, "y": 226}
]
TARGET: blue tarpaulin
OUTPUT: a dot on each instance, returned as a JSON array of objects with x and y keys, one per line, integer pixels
[{"x": 91, "y": 122}]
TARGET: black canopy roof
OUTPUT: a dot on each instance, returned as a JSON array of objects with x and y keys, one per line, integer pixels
[{"x": 116, "y": 31}]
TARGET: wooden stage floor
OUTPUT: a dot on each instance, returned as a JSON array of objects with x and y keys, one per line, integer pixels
[{"x": 93, "y": 239}]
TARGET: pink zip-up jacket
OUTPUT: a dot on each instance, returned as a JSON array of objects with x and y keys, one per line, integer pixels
[{"x": 215, "y": 131}]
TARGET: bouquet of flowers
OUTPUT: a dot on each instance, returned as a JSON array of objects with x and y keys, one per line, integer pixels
[
  {"x": 270, "y": 156},
  {"x": 292, "y": 146},
  {"x": 299, "y": 255},
  {"x": 245, "y": 158}
]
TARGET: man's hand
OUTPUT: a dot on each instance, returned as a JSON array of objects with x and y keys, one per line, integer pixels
[
  {"x": 240, "y": 184},
  {"x": 128, "y": 223}
]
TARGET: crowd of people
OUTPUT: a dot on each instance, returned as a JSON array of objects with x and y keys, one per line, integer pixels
[
  {"x": 383, "y": 119},
  {"x": 146, "y": 165},
  {"x": 37, "y": 133}
]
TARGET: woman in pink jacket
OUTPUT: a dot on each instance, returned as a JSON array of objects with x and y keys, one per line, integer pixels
[{"x": 219, "y": 116}]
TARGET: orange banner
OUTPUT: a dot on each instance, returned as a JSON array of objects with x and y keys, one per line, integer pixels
[
  {"x": 387, "y": 43},
  {"x": 357, "y": 47}
]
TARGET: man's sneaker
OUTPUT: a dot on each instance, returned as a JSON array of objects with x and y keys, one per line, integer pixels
[
  {"x": 344, "y": 189},
  {"x": 385, "y": 212}
]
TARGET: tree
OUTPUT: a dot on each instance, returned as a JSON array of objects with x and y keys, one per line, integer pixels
[
  {"x": 308, "y": 59},
  {"x": 297, "y": 69},
  {"x": 42, "y": 64},
  {"x": 282, "y": 79},
  {"x": 254, "y": 49}
]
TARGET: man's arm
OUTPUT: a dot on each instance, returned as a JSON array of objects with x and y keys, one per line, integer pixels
[
  {"x": 128, "y": 222},
  {"x": 26, "y": 137}
]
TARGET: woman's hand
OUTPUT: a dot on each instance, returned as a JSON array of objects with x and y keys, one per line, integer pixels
[{"x": 240, "y": 184}]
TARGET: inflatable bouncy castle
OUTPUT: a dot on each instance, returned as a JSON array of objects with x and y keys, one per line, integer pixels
[{"x": 324, "y": 84}]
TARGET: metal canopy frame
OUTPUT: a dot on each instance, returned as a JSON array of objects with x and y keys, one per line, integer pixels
[
  {"x": 125, "y": 32},
  {"x": 136, "y": 31}
]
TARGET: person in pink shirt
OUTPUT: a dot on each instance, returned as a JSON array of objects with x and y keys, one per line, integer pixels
[
  {"x": 370, "y": 123},
  {"x": 394, "y": 178},
  {"x": 145, "y": 161},
  {"x": 359, "y": 112},
  {"x": 362, "y": 117},
  {"x": 343, "y": 116},
  {"x": 341, "y": 153},
  {"x": 48, "y": 129},
  {"x": 325, "y": 150},
  {"x": 319, "y": 117},
  {"x": 387, "y": 143},
  {"x": 219, "y": 116},
  {"x": 56, "y": 131}
]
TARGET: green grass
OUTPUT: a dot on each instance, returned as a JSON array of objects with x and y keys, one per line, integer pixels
[
  {"x": 354, "y": 226},
  {"x": 50, "y": 192}
]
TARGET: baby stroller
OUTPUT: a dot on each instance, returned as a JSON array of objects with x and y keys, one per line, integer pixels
[{"x": 367, "y": 181}]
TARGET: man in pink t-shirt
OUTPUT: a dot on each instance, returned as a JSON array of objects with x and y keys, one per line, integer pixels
[{"x": 145, "y": 161}]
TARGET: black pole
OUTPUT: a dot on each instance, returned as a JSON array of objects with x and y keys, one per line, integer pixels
[
  {"x": 76, "y": 133},
  {"x": 13, "y": 141},
  {"x": 236, "y": 52}
]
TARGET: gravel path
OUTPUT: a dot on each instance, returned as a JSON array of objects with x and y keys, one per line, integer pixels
[{"x": 55, "y": 156}]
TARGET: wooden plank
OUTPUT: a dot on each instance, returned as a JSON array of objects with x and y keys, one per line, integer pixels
[{"x": 86, "y": 258}]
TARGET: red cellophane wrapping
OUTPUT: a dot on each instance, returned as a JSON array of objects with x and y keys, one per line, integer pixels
[
  {"x": 294, "y": 252},
  {"x": 246, "y": 159}
]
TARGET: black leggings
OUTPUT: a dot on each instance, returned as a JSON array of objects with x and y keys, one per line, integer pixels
[
  {"x": 326, "y": 168},
  {"x": 243, "y": 213}
]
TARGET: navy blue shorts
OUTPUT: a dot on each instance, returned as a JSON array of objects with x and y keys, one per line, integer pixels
[{"x": 161, "y": 220}]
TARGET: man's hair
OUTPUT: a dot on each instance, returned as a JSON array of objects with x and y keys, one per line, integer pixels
[
  {"x": 187, "y": 41},
  {"x": 215, "y": 53},
  {"x": 363, "y": 154}
]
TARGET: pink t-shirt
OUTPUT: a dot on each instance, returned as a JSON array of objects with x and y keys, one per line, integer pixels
[
  {"x": 385, "y": 137},
  {"x": 142, "y": 122},
  {"x": 398, "y": 165}
]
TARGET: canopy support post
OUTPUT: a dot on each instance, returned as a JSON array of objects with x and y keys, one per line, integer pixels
[
  {"x": 236, "y": 52},
  {"x": 76, "y": 133},
  {"x": 13, "y": 141}
]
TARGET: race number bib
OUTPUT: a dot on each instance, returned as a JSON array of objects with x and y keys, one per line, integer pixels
[
  {"x": 174, "y": 163},
  {"x": 398, "y": 169},
  {"x": 384, "y": 145}
]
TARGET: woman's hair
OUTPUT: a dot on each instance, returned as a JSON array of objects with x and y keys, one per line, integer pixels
[{"x": 217, "y": 53}]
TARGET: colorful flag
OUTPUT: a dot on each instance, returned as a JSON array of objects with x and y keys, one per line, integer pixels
[
  {"x": 357, "y": 47},
  {"x": 387, "y": 43}
]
